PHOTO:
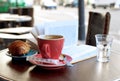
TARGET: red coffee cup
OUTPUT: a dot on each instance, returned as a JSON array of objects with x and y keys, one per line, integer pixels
[{"x": 50, "y": 46}]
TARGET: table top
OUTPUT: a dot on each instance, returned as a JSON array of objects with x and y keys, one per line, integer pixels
[
  {"x": 14, "y": 36},
  {"x": 16, "y": 33},
  {"x": 87, "y": 70},
  {"x": 16, "y": 30},
  {"x": 14, "y": 17}
]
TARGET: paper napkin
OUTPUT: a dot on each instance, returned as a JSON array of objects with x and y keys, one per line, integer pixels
[{"x": 67, "y": 28}]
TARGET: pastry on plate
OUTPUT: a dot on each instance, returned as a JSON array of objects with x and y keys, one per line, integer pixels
[{"x": 18, "y": 48}]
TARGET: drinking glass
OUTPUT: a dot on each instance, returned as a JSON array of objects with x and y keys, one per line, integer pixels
[{"x": 103, "y": 43}]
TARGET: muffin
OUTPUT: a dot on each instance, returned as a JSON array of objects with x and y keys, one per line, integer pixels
[{"x": 18, "y": 48}]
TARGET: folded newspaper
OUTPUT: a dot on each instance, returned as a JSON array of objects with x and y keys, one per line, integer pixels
[{"x": 81, "y": 52}]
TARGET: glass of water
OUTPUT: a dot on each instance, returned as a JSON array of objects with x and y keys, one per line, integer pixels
[{"x": 103, "y": 43}]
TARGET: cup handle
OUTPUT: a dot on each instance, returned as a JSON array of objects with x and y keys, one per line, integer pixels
[{"x": 46, "y": 48}]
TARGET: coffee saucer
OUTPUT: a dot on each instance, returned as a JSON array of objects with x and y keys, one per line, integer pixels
[{"x": 61, "y": 63}]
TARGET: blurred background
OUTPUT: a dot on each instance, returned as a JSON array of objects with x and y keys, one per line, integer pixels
[
  {"x": 53, "y": 10},
  {"x": 57, "y": 10}
]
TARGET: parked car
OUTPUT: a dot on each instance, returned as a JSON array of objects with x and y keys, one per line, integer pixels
[
  {"x": 70, "y": 3},
  {"x": 102, "y": 3},
  {"x": 48, "y": 4},
  {"x": 74, "y": 3}
]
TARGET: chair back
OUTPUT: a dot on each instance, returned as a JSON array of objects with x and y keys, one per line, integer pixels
[
  {"x": 27, "y": 11},
  {"x": 98, "y": 24}
]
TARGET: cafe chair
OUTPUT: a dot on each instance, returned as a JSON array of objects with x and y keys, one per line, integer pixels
[
  {"x": 29, "y": 11},
  {"x": 1, "y": 44},
  {"x": 98, "y": 24},
  {"x": 4, "y": 24},
  {"x": 13, "y": 10}
]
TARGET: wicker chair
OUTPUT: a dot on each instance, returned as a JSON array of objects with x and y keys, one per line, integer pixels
[{"x": 98, "y": 24}]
